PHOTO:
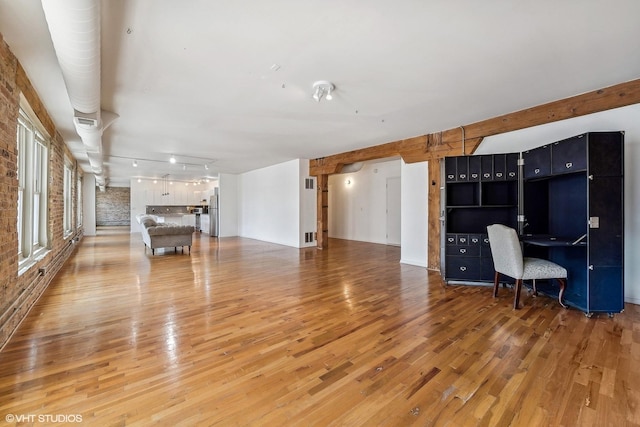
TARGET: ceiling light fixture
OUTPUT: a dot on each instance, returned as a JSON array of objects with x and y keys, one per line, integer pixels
[
  {"x": 135, "y": 163},
  {"x": 206, "y": 167},
  {"x": 172, "y": 159},
  {"x": 323, "y": 88}
]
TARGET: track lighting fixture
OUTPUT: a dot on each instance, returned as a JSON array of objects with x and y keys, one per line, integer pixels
[{"x": 323, "y": 88}]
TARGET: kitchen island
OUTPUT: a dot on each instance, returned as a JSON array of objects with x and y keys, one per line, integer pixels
[{"x": 178, "y": 214}]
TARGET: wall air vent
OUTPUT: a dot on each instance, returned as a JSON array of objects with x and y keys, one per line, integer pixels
[{"x": 308, "y": 183}]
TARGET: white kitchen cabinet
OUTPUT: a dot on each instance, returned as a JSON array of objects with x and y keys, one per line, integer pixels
[
  {"x": 189, "y": 219},
  {"x": 204, "y": 223}
]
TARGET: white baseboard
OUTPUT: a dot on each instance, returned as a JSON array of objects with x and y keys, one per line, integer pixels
[
  {"x": 417, "y": 263},
  {"x": 631, "y": 300}
]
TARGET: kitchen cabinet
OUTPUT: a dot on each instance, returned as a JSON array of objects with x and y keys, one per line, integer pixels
[
  {"x": 204, "y": 223},
  {"x": 189, "y": 219}
]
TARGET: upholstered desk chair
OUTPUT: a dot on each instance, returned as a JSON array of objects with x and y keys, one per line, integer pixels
[{"x": 508, "y": 260}]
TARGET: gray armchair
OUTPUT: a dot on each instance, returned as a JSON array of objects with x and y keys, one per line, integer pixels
[{"x": 508, "y": 260}]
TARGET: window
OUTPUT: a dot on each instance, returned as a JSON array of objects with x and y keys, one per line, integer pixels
[
  {"x": 68, "y": 197},
  {"x": 79, "y": 206},
  {"x": 32, "y": 190}
]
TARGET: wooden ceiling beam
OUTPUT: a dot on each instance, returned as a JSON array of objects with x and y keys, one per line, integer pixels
[{"x": 450, "y": 142}]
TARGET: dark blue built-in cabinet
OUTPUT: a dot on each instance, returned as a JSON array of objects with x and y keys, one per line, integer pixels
[{"x": 566, "y": 199}]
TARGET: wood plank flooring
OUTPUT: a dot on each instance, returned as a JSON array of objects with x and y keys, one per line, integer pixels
[{"x": 242, "y": 332}]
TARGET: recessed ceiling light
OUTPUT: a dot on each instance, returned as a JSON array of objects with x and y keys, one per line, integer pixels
[{"x": 172, "y": 159}]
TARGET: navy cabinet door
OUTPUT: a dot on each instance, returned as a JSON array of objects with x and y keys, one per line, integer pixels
[
  {"x": 569, "y": 155},
  {"x": 486, "y": 167},
  {"x": 537, "y": 162},
  {"x": 450, "y": 169},
  {"x": 606, "y": 245}
]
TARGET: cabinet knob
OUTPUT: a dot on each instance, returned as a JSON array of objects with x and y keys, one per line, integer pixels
[
  {"x": 463, "y": 251},
  {"x": 499, "y": 174},
  {"x": 486, "y": 175},
  {"x": 591, "y": 267},
  {"x": 568, "y": 165},
  {"x": 474, "y": 240},
  {"x": 536, "y": 171},
  {"x": 512, "y": 174},
  {"x": 474, "y": 175},
  {"x": 463, "y": 268},
  {"x": 450, "y": 176},
  {"x": 463, "y": 175}
]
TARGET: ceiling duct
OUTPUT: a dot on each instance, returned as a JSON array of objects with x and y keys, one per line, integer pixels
[{"x": 75, "y": 31}]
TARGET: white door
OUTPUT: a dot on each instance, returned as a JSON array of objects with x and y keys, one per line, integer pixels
[{"x": 393, "y": 211}]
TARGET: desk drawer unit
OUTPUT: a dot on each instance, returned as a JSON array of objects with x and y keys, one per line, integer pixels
[{"x": 463, "y": 260}]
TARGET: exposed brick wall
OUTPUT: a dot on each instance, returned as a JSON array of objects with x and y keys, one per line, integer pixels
[
  {"x": 113, "y": 206},
  {"x": 19, "y": 293}
]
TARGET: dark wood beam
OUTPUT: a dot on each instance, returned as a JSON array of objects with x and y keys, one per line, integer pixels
[{"x": 466, "y": 139}]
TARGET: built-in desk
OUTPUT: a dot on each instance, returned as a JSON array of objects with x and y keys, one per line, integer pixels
[
  {"x": 553, "y": 241},
  {"x": 556, "y": 248},
  {"x": 566, "y": 199}
]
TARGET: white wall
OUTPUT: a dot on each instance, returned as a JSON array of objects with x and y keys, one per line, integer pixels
[
  {"x": 228, "y": 200},
  {"x": 89, "y": 204},
  {"x": 308, "y": 207},
  {"x": 415, "y": 219},
  {"x": 357, "y": 210},
  {"x": 273, "y": 206},
  {"x": 626, "y": 119}
]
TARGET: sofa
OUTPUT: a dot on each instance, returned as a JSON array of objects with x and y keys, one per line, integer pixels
[{"x": 164, "y": 235}]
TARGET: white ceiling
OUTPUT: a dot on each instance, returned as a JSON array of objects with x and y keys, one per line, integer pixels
[{"x": 198, "y": 79}]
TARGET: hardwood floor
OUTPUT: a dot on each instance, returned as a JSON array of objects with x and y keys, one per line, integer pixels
[{"x": 243, "y": 332}]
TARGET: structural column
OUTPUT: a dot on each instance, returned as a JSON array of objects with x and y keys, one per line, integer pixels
[
  {"x": 434, "y": 215},
  {"x": 322, "y": 197}
]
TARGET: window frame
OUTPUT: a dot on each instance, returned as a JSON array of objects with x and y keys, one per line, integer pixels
[
  {"x": 79, "y": 191},
  {"x": 67, "y": 194},
  {"x": 33, "y": 148}
]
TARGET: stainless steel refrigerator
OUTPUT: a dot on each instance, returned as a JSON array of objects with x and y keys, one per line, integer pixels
[{"x": 214, "y": 215}]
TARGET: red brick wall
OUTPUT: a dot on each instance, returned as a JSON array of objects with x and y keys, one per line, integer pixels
[
  {"x": 18, "y": 293},
  {"x": 113, "y": 206}
]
